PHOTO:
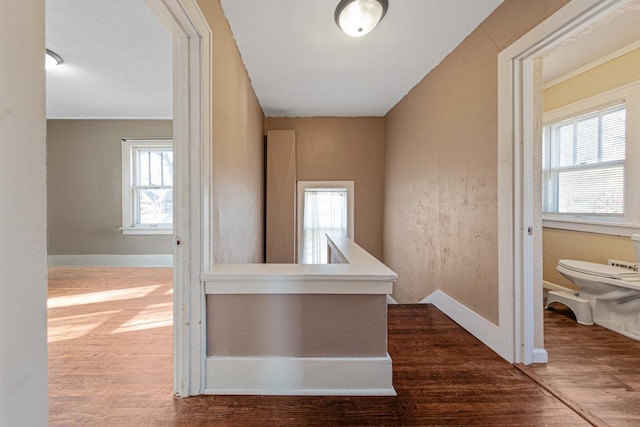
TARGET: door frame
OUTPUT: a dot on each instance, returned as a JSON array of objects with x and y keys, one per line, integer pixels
[
  {"x": 517, "y": 118},
  {"x": 192, "y": 133}
]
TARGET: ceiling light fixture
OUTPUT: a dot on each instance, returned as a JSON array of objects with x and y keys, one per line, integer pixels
[
  {"x": 51, "y": 59},
  {"x": 358, "y": 17}
]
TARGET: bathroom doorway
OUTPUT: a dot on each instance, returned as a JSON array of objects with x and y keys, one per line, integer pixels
[
  {"x": 519, "y": 173},
  {"x": 590, "y": 82}
]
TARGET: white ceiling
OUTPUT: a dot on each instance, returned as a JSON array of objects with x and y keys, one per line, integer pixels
[
  {"x": 117, "y": 60},
  {"x": 301, "y": 64},
  {"x": 619, "y": 29}
]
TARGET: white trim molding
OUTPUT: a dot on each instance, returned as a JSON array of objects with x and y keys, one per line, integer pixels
[
  {"x": 476, "y": 325},
  {"x": 540, "y": 355},
  {"x": 590, "y": 66},
  {"x": 317, "y": 376},
  {"x": 192, "y": 135},
  {"x": 110, "y": 260}
]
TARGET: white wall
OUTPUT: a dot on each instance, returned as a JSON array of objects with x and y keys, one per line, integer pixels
[{"x": 23, "y": 272}]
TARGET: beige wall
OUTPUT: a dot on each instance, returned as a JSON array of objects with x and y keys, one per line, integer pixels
[
  {"x": 237, "y": 229},
  {"x": 566, "y": 244},
  {"x": 440, "y": 225},
  {"x": 84, "y": 187},
  {"x": 281, "y": 197},
  {"x": 297, "y": 325},
  {"x": 618, "y": 72},
  {"x": 344, "y": 149},
  {"x": 23, "y": 251}
]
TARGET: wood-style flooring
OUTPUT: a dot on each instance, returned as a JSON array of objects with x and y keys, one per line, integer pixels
[
  {"x": 594, "y": 368},
  {"x": 110, "y": 363}
]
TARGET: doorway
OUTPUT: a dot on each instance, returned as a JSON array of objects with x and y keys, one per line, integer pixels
[{"x": 519, "y": 124}]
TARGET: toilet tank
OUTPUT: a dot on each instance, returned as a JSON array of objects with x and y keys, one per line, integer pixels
[{"x": 636, "y": 246}]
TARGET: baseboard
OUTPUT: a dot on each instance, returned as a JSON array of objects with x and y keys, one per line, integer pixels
[
  {"x": 540, "y": 355},
  {"x": 476, "y": 325},
  {"x": 390, "y": 300},
  {"x": 110, "y": 260},
  {"x": 315, "y": 376}
]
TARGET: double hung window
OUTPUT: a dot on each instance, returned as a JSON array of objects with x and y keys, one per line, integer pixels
[
  {"x": 147, "y": 186},
  {"x": 585, "y": 160},
  {"x": 591, "y": 164}
]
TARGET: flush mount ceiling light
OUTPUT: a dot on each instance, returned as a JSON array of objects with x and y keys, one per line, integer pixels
[
  {"x": 359, "y": 17},
  {"x": 51, "y": 59}
]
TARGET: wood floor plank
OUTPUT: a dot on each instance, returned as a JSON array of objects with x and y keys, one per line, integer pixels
[
  {"x": 110, "y": 362},
  {"x": 596, "y": 368}
]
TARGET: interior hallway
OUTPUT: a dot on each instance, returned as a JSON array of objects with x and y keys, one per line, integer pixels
[{"x": 110, "y": 363}]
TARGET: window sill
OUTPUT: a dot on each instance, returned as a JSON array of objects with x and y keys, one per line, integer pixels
[
  {"x": 599, "y": 227},
  {"x": 146, "y": 231}
]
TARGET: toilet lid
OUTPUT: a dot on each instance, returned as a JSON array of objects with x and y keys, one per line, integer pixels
[{"x": 596, "y": 269}]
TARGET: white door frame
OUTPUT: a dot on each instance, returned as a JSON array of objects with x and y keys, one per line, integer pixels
[
  {"x": 516, "y": 206},
  {"x": 192, "y": 184}
]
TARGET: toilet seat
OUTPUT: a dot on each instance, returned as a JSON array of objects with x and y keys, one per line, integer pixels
[{"x": 600, "y": 270}]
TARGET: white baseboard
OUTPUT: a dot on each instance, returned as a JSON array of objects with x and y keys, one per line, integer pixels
[
  {"x": 390, "y": 300},
  {"x": 476, "y": 325},
  {"x": 315, "y": 376},
  {"x": 540, "y": 355},
  {"x": 110, "y": 260}
]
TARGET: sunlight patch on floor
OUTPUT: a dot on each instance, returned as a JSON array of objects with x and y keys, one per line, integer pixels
[
  {"x": 103, "y": 296},
  {"x": 152, "y": 316},
  {"x": 72, "y": 327}
]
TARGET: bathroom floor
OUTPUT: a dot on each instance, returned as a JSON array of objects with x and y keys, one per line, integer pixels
[{"x": 597, "y": 369}]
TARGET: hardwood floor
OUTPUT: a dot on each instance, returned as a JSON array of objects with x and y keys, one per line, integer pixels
[
  {"x": 597, "y": 369},
  {"x": 110, "y": 364}
]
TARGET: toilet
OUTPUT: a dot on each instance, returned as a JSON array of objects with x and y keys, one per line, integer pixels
[{"x": 612, "y": 293}]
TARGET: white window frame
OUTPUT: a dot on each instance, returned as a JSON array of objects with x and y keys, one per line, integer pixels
[
  {"x": 630, "y": 223},
  {"x": 128, "y": 223},
  {"x": 303, "y": 185}
]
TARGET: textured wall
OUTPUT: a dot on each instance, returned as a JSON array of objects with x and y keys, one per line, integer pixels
[
  {"x": 84, "y": 187},
  {"x": 281, "y": 197},
  {"x": 440, "y": 224},
  {"x": 237, "y": 229},
  {"x": 344, "y": 149}
]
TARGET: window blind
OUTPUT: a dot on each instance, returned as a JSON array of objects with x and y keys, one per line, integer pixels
[{"x": 585, "y": 164}]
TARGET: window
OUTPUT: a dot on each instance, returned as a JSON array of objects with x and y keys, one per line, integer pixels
[
  {"x": 591, "y": 164},
  {"x": 147, "y": 186},
  {"x": 323, "y": 207},
  {"x": 584, "y": 173}
]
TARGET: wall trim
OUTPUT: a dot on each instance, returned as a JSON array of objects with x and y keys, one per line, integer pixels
[
  {"x": 476, "y": 325},
  {"x": 296, "y": 376},
  {"x": 110, "y": 260},
  {"x": 540, "y": 355},
  {"x": 390, "y": 300},
  {"x": 593, "y": 64}
]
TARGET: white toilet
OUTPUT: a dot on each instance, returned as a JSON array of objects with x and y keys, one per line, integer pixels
[{"x": 613, "y": 293}]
